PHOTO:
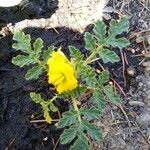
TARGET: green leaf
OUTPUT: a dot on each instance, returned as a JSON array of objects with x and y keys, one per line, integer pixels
[
  {"x": 88, "y": 75},
  {"x": 67, "y": 119},
  {"x": 22, "y": 60},
  {"x": 22, "y": 42},
  {"x": 104, "y": 77},
  {"x": 68, "y": 135},
  {"x": 93, "y": 131},
  {"x": 47, "y": 117},
  {"x": 117, "y": 27},
  {"x": 91, "y": 114},
  {"x": 36, "y": 97},
  {"x": 47, "y": 54},
  {"x": 110, "y": 93},
  {"x": 75, "y": 53},
  {"x": 33, "y": 73},
  {"x": 80, "y": 90},
  {"x": 38, "y": 45},
  {"x": 98, "y": 100},
  {"x": 53, "y": 108},
  {"x": 90, "y": 41},
  {"x": 100, "y": 31},
  {"x": 120, "y": 42},
  {"x": 81, "y": 143},
  {"x": 108, "y": 56}
]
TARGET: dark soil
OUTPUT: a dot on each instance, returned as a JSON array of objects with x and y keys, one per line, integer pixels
[{"x": 16, "y": 107}]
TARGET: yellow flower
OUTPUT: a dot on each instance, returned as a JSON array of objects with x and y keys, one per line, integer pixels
[{"x": 61, "y": 73}]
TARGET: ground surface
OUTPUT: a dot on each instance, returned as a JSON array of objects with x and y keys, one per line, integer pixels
[{"x": 124, "y": 128}]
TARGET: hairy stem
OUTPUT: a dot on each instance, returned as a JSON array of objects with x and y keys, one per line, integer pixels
[
  {"x": 94, "y": 53},
  {"x": 40, "y": 64},
  {"x": 76, "y": 108}
]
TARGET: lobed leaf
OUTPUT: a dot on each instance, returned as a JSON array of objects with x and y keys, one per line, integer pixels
[
  {"x": 38, "y": 45},
  {"x": 22, "y": 60},
  {"x": 120, "y": 42},
  {"x": 91, "y": 114},
  {"x": 36, "y": 97},
  {"x": 88, "y": 75},
  {"x": 68, "y": 135},
  {"x": 112, "y": 96},
  {"x": 108, "y": 56},
  {"x": 67, "y": 119},
  {"x": 100, "y": 31},
  {"x": 93, "y": 131},
  {"x": 99, "y": 100},
  {"x": 33, "y": 73},
  {"x": 47, "y": 54},
  {"x": 103, "y": 77},
  {"x": 81, "y": 143},
  {"x": 90, "y": 41},
  {"x": 117, "y": 27},
  {"x": 23, "y": 42},
  {"x": 75, "y": 53}
]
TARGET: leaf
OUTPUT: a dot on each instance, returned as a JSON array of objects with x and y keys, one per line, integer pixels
[
  {"x": 81, "y": 143},
  {"x": 67, "y": 119},
  {"x": 104, "y": 77},
  {"x": 112, "y": 96},
  {"x": 120, "y": 42},
  {"x": 93, "y": 131},
  {"x": 91, "y": 114},
  {"x": 99, "y": 100},
  {"x": 22, "y": 60},
  {"x": 100, "y": 31},
  {"x": 47, "y": 117},
  {"x": 80, "y": 90},
  {"x": 53, "y": 108},
  {"x": 47, "y": 54},
  {"x": 88, "y": 75},
  {"x": 108, "y": 56},
  {"x": 117, "y": 27},
  {"x": 36, "y": 97},
  {"x": 22, "y": 42},
  {"x": 75, "y": 53},
  {"x": 90, "y": 41},
  {"x": 38, "y": 45},
  {"x": 33, "y": 73},
  {"x": 68, "y": 135}
]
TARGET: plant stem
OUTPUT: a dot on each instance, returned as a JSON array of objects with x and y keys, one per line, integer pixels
[
  {"x": 94, "y": 53},
  {"x": 53, "y": 98},
  {"x": 76, "y": 108},
  {"x": 40, "y": 64}
]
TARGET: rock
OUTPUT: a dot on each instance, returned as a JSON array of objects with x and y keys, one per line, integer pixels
[
  {"x": 136, "y": 103},
  {"x": 144, "y": 117},
  {"x": 131, "y": 71}
]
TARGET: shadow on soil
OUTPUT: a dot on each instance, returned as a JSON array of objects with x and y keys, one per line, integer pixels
[{"x": 28, "y": 9}]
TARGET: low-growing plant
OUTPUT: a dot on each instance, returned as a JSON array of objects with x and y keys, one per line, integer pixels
[{"x": 75, "y": 79}]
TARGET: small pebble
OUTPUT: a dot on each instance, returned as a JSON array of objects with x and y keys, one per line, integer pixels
[
  {"x": 110, "y": 83},
  {"x": 131, "y": 71},
  {"x": 146, "y": 64},
  {"x": 136, "y": 103},
  {"x": 45, "y": 139}
]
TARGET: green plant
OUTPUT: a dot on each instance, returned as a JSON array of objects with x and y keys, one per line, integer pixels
[{"x": 77, "y": 122}]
